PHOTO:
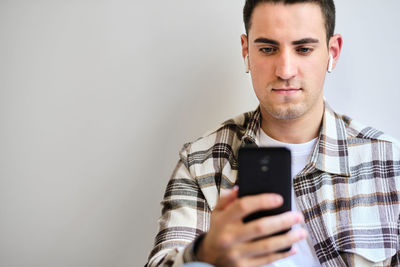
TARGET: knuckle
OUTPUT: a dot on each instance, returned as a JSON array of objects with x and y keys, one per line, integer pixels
[
  {"x": 267, "y": 246},
  {"x": 260, "y": 227},
  {"x": 298, "y": 235},
  {"x": 265, "y": 201},
  {"x": 278, "y": 223},
  {"x": 225, "y": 240},
  {"x": 275, "y": 224},
  {"x": 285, "y": 221},
  {"x": 232, "y": 255},
  {"x": 292, "y": 237},
  {"x": 241, "y": 205}
]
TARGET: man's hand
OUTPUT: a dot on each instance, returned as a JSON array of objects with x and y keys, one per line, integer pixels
[{"x": 230, "y": 242}]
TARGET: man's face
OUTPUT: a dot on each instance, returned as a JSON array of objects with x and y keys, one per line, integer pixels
[{"x": 288, "y": 57}]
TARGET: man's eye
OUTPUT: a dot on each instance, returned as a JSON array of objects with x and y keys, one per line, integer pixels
[
  {"x": 304, "y": 50},
  {"x": 268, "y": 50}
]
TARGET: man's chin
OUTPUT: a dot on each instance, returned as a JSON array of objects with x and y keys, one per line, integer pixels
[{"x": 286, "y": 113}]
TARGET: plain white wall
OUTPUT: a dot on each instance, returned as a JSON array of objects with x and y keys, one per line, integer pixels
[{"x": 97, "y": 97}]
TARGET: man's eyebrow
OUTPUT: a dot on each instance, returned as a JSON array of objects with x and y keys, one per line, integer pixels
[
  {"x": 305, "y": 41},
  {"x": 298, "y": 42},
  {"x": 266, "y": 41}
]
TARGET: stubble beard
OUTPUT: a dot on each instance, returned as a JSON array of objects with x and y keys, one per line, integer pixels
[{"x": 287, "y": 110}]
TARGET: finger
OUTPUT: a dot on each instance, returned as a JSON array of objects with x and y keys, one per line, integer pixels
[
  {"x": 249, "y": 204},
  {"x": 272, "y": 244},
  {"x": 270, "y": 225},
  {"x": 227, "y": 198},
  {"x": 258, "y": 261}
]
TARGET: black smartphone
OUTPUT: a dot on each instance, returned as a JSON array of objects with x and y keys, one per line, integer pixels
[{"x": 265, "y": 170}]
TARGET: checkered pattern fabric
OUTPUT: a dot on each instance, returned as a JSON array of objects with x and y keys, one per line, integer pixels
[{"x": 349, "y": 192}]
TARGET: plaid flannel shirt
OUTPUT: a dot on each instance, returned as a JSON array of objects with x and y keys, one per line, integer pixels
[{"x": 349, "y": 192}]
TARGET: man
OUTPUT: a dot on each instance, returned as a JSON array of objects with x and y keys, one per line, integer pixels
[{"x": 346, "y": 184}]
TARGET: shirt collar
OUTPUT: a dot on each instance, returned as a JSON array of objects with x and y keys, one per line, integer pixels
[
  {"x": 331, "y": 151},
  {"x": 254, "y": 124}
]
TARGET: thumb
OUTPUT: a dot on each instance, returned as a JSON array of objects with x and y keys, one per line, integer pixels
[{"x": 227, "y": 198}]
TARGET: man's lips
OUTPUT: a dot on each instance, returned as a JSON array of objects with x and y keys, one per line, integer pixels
[{"x": 286, "y": 91}]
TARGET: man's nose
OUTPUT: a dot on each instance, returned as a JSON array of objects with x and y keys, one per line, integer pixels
[{"x": 286, "y": 67}]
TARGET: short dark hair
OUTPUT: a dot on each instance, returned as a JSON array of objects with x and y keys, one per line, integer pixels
[{"x": 327, "y": 8}]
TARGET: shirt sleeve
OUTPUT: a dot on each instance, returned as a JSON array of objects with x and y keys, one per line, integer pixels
[
  {"x": 185, "y": 216},
  {"x": 396, "y": 258}
]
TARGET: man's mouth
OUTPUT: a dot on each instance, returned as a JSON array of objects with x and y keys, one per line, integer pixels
[{"x": 286, "y": 91}]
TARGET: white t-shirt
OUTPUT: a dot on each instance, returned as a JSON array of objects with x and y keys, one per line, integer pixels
[{"x": 301, "y": 154}]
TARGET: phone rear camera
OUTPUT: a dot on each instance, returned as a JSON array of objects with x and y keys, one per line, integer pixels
[
  {"x": 264, "y": 160},
  {"x": 264, "y": 168}
]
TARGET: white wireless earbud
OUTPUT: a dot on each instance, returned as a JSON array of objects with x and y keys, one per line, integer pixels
[
  {"x": 246, "y": 64},
  {"x": 330, "y": 63}
]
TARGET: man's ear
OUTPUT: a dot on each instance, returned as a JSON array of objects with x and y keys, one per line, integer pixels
[
  {"x": 245, "y": 46},
  {"x": 335, "y": 47}
]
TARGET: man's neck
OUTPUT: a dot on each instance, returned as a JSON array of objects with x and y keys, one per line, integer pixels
[{"x": 294, "y": 131}]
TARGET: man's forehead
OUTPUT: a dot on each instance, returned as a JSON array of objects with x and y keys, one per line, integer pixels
[{"x": 295, "y": 19}]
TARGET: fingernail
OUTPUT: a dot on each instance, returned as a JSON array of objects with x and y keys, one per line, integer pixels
[{"x": 235, "y": 188}]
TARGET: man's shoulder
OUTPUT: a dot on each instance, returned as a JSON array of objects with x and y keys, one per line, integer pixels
[
  {"x": 226, "y": 136},
  {"x": 359, "y": 132}
]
